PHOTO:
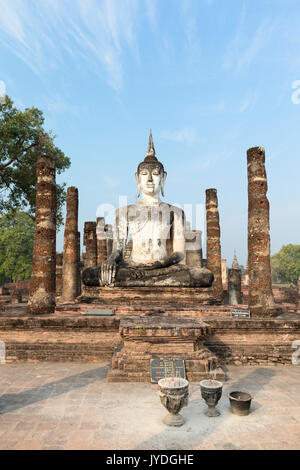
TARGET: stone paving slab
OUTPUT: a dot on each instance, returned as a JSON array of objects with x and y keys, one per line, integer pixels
[{"x": 71, "y": 406}]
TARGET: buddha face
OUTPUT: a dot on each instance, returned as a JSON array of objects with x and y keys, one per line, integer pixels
[{"x": 150, "y": 180}]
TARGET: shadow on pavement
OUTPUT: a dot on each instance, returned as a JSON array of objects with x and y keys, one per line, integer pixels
[{"x": 13, "y": 401}]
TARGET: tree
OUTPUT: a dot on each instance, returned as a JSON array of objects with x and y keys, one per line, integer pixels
[
  {"x": 16, "y": 245},
  {"x": 20, "y": 145},
  {"x": 285, "y": 264}
]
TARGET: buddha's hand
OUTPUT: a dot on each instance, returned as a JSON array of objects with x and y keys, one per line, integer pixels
[{"x": 108, "y": 273}]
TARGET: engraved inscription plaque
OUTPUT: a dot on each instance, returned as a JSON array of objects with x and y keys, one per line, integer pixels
[{"x": 161, "y": 367}]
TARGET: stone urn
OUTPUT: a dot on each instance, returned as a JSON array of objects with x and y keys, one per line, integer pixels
[
  {"x": 240, "y": 403},
  {"x": 211, "y": 391},
  {"x": 173, "y": 393}
]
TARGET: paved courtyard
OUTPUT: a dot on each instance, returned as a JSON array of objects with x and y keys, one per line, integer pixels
[{"x": 70, "y": 406}]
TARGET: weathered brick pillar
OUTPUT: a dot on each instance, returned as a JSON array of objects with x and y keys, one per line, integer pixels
[
  {"x": 213, "y": 244},
  {"x": 71, "y": 261},
  {"x": 90, "y": 243},
  {"x": 42, "y": 283},
  {"x": 224, "y": 273},
  {"x": 260, "y": 299},
  {"x": 79, "y": 264},
  {"x": 234, "y": 286},
  {"x": 101, "y": 241},
  {"x": 59, "y": 273}
]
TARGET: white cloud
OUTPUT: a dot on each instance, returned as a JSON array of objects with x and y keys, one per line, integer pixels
[
  {"x": 57, "y": 104},
  {"x": 96, "y": 31},
  {"x": 151, "y": 13},
  {"x": 186, "y": 135},
  {"x": 111, "y": 183},
  {"x": 243, "y": 48},
  {"x": 190, "y": 26},
  {"x": 249, "y": 101},
  {"x": 260, "y": 39}
]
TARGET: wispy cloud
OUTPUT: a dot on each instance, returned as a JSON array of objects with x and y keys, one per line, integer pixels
[
  {"x": 190, "y": 26},
  {"x": 111, "y": 183},
  {"x": 58, "y": 104},
  {"x": 249, "y": 101},
  {"x": 96, "y": 31},
  {"x": 260, "y": 39},
  {"x": 152, "y": 13},
  {"x": 186, "y": 135},
  {"x": 245, "y": 47}
]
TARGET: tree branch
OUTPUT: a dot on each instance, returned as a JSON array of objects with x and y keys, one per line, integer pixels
[{"x": 26, "y": 149}]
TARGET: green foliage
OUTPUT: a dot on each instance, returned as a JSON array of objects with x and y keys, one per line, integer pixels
[
  {"x": 20, "y": 146},
  {"x": 16, "y": 245},
  {"x": 285, "y": 265}
]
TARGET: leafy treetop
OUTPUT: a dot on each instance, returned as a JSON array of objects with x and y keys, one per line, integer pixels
[{"x": 20, "y": 145}]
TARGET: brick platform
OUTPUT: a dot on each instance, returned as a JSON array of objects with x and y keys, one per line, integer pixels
[
  {"x": 74, "y": 337},
  {"x": 149, "y": 337},
  {"x": 59, "y": 338},
  {"x": 147, "y": 296}
]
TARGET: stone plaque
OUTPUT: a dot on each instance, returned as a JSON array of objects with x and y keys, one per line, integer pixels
[
  {"x": 99, "y": 312},
  {"x": 240, "y": 313},
  {"x": 161, "y": 367}
]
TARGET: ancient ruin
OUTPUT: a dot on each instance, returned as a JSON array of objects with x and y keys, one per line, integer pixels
[
  {"x": 213, "y": 244},
  {"x": 261, "y": 301},
  {"x": 90, "y": 243},
  {"x": 234, "y": 283},
  {"x": 298, "y": 287},
  {"x": 42, "y": 283},
  {"x": 147, "y": 293},
  {"x": 71, "y": 257},
  {"x": 59, "y": 273}
]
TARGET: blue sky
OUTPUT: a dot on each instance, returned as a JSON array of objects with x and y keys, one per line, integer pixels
[{"x": 210, "y": 77}]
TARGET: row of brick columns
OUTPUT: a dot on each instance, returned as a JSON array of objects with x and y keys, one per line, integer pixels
[{"x": 98, "y": 242}]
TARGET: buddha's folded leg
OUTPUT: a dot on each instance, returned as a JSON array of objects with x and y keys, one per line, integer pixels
[{"x": 173, "y": 276}]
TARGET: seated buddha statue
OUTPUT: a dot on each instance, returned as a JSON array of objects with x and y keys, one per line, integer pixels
[{"x": 156, "y": 231}]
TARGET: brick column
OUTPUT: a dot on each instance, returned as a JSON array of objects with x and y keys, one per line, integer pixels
[
  {"x": 59, "y": 273},
  {"x": 213, "y": 245},
  {"x": 234, "y": 286},
  {"x": 79, "y": 265},
  {"x": 298, "y": 284},
  {"x": 101, "y": 241},
  {"x": 70, "y": 266},
  {"x": 90, "y": 243},
  {"x": 224, "y": 273},
  {"x": 260, "y": 299},
  {"x": 42, "y": 283}
]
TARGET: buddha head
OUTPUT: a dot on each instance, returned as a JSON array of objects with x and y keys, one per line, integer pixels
[{"x": 150, "y": 175}]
